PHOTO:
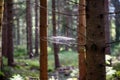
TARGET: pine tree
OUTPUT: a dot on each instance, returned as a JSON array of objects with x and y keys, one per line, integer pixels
[
  {"x": 29, "y": 28},
  {"x": 55, "y": 46},
  {"x": 1, "y": 17},
  {"x": 82, "y": 40},
  {"x": 95, "y": 41},
  {"x": 43, "y": 40},
  {"x": 10, "y": 33},
  {"x": 36, "y": 27}
]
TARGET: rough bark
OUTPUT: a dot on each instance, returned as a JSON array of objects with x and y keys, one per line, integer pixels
[
  {"x": 43, "y": 40},
  {"x": 95, "y": 42},
  {"x": 10, "y": 33},
  {"x": 55, "y": 46},
  {"x": 82, "y": 40},
  {"x": 29, "y": 28}
]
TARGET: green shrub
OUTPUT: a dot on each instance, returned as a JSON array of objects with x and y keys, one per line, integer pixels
[
  {"x": 17, "y": 77},
  {"x": 2, "y": 73},
  {"x": 20, "y": 51},
  {"x": 110, "y": 73},
  {"x": 117, "y": 75},
  {"x": 117, "y": 67},
  {"x": 68, "y": 58}
]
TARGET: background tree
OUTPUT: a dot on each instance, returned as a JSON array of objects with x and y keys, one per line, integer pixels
[
  {"x": 18, "y": 31},
  {"x": 95, "y": 41},
  {"x": 19, "y": 9},
  {"x": 55, "y": 45},
  {"x": 1, "y": 17},
  {"x": 116, "y": 4},
  {"x": 36, "y": 26},
  {"x": 29, "y": 28},
  {"x": 10, "y": 33},
  {"x": 4, "y": 32}
]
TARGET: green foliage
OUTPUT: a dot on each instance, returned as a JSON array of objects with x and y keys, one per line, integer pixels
[
  {"x": 2, "y": 73},
  {"x": 4, "y": 59},
  {"x": 28, "y": 67},
  {"x": 110, "y": 73},
  {"x": 50, "y": 50},
  {"x": 117, "y": 66},
  {"x": 117, "y": 75},
  {"x": 17, "y": 77},
  {"x": 115, "y": 49},
  {"x": 69, "y": 58},
  {"x": 20, "y": 51},
  {"x": 7, "y": 71},
  {"x": 108, "y": 59}
]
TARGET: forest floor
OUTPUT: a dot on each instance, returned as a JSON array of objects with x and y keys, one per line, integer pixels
[{"x": 29, "y": 68}]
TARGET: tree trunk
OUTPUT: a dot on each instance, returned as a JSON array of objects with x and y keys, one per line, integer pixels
[
  {"x": 55, "y": 46},
  {"x": 66, "y": 22},
  {"x": 82, "y": 40},
  {"x": 107, "y": 28},
  {"x": 4, "y": 32},
  {"x": 18, "y": 32},
  {"x": 95, "y": 41},
  {"x": 43, "y": 40},
  {"x": 36, "y": 27},
  {"x": 29, "y": 28},
  {"x": 58, "y": 15},
  {"x": 10, "y": 33},
  {"x": 1, "y": 16}
]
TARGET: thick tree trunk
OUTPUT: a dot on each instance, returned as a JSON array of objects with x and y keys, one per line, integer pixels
[
  {"x": 36, "y": 27},
  {"x": 55, "y": 46},
  {"x": 29, "y": 28},
  {"x": 1, "y": 16},
  {"x": 82, "y": 40},
  {"x": 95, "y": 41},
  {"x": 10, "y": 33},
  {"x": 43, "y": 40}
]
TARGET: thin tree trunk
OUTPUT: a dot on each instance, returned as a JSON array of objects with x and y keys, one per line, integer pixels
[
  {"x": 29, "y": 28},
  {"x": 95, "y": 41},
  {"x": 18, "y": 32},
  {"x": 82, "y": 40},
  {"x": 36, "y": 27},
  {"x": 66, "y": 22},
  {"x": 59, "y": 16},
  {"x": 1, "y": 16},
  {"x": 10, "y": 33},
  {"x": 107, "y": 28},
  {"x": 43, "y": 40},
  {"x": 4, "y": 32},
  {"x": 55, "y": 46}
]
